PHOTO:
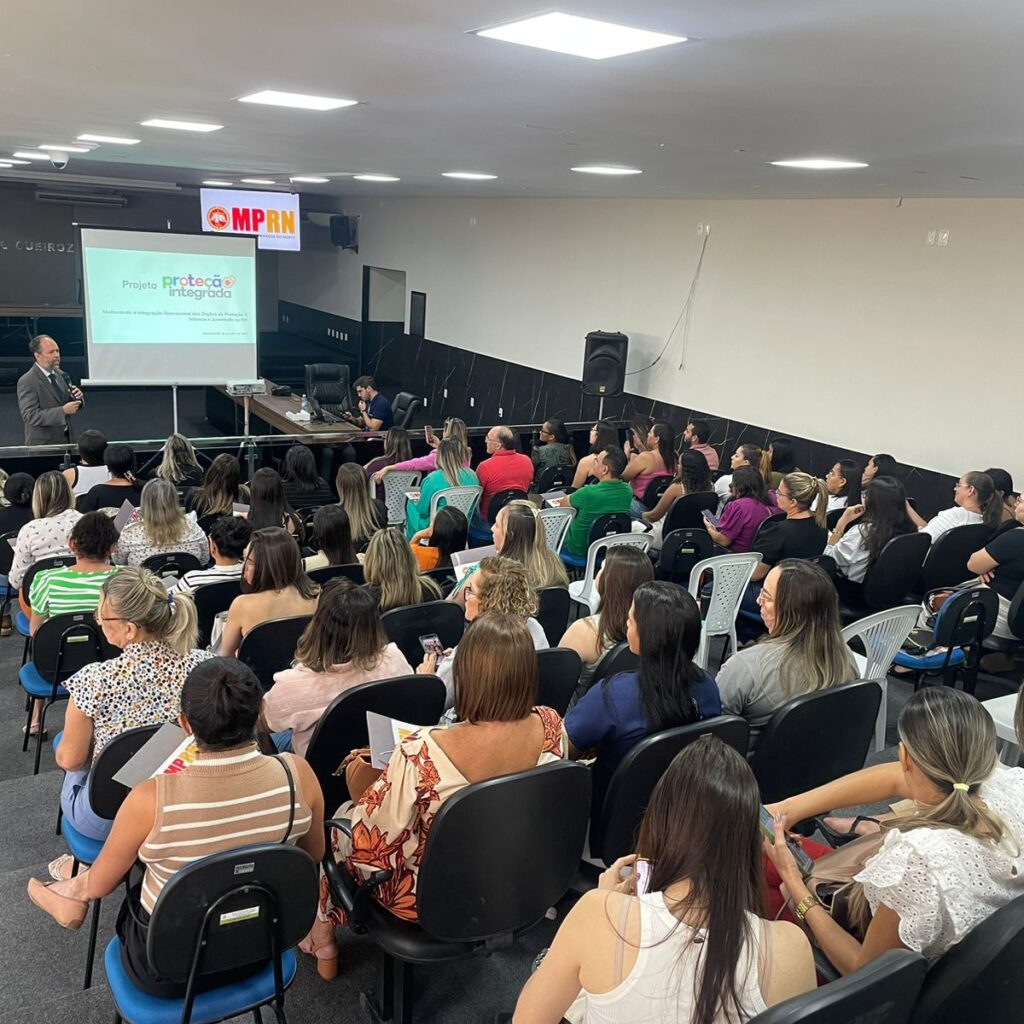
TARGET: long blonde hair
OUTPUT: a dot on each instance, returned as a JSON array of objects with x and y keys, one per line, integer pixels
[
  {"x": 51, "y": 495},
  {"x": 138, "y": 596},
  {"x": 162, "y": 518},
  {"x": 391, "y": 566},
  {"x": 805, "y": 489},
  {"x": 179, "y": 457},
  {"x": 354, "y": 498},
  {"x": 526, "y": 542},
  {"x": 454, "y": 427},
  {"x": 452, "y": 456}
]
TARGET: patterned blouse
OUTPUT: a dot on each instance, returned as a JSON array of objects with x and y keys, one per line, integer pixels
[
  {"x": 392, "y": 819},
  {"x": 41, "y": 538},
  {"x": 141, "y": 686},
  {"x": 134, "y": 545}
]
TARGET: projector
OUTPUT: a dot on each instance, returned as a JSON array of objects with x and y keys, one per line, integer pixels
[{"x": 241, "y": 388}]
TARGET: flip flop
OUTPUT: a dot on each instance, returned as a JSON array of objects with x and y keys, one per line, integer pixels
[{"x": 836, "y": 839}]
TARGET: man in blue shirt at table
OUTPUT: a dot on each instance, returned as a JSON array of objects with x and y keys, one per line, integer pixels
[{"x": 374, "y": 409}]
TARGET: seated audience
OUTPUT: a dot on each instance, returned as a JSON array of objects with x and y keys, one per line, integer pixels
[
  {"x": 974, "y": 501},
  {"x": 332, "y": 538},
  {"x": 1003, "y": 483},
  {"x": 268, "y": 506},
  {"x": 843, "y": 483},
  {"x": 879, "y": 465},
  {"x": 451, "y": 471},
  {"x": 46, "y": 534},
  {"x": 453, "y": 427},
  {"x": 803, "y": 652},
  {"x": 624, "y": 569},
  {"x": 504, "y": 469},
  {"x": 229, "y": 536},
  {"x": 749, "y": 506},
  {"x": 90, "y": 469},
  {"x": 603, "y": 435},
  {"x": 668, "y": 689},
  {"x": 16, "y": 507},
  {"x": 366, "y": 515},
  {"x": 802, "y": 533},
  {"x": 783, "y": 461},
  {"x": 274, "y": 586},
  {"x": 1000, "y": 564},
  {"x": 343, "y": 645},
  {"x": 434, "y": 545},
  {"x": 693, "y": 477},
  {"x": 391, "y": 567},
  {"x": 375, "y": 411},
  {"x": 745, "y": 455},
  {"x": 694, "y": 948},
  {"x": 941, "y": 869},
  {"x": 695, "y": 437},
  {"x": 157, "y": 634},
  {"x": 177, "y": 463},
  {"x": 610, "y": 494},
  {"x": 162, "y": 527},
  {"x": 657, "y": 460},
  {"x": 221, "y": 490},
  {"x": 397, "y": 448},
  {"x": 554, "y": 448},
  {"x": 163, "y": 819},
  {"x": 499, "y": 732},
  {"x": 120, "y": 486},
  {"x": 303, "y": 486},
  {"x": 863, "y": 530}
]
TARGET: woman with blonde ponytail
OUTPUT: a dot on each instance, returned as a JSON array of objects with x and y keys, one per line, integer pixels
[
  {"x": 156, "y": 633},
  {"x": 941, "y": 869}
]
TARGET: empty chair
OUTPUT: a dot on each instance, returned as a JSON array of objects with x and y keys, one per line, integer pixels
[
  {"x": 945, "y": 565},
  {"x": 559, "y": 670},
  {"x": 730, "y": 575},
  {"x": 681, "y": 550},
  {"x": 584, "y": 590},
  {"x": 891, "y": 576},
  {"x": 404, "y": 408},
  {"x": 553, "y": 612},
  {"x": 687, "y": 512},
  {"x": 554, "y": 478},
  {"x": 210, "y": 599},
  {"x": 405, "y": 626},
  {"x": 556, "y": 522},
  {"x": 500, "y": 499},
  {"x": 465, "y": 499},
  {"x": 172, "y": 563},
  {"x": 328, "y": 383},
  {"x": 270, "y": 646},
  {"x": 352, "y": 571},
  {"x": 395, "y": 486}
]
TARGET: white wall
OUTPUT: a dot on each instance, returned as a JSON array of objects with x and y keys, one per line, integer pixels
[{"x": 828, "y": 319}]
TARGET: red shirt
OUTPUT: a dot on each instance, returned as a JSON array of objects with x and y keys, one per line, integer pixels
[{"x": 503, "y": 471}]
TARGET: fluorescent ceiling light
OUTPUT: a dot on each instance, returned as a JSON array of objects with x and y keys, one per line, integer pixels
[
  {"x": 468, "y": 175},
  {"x": 214, "y": 182},
  {"x": 612, "y": 171},
  {"x": 310, "y": 179},
  {"x": 31, "y": 154},
  {"x": 581, "y": 37},
  {"x": 66, "y": 149},
  {"x": 298, "y": 100},
  {"x": 180, "y": 126},
  {"x": 11, "y": 160},
  {"x": 258, "y": 181},
  {"x": 6, "y": 165},
  {"x": 820, "y": 164},
  {"x": 389, "y": 177},
  {"x": 114, "y": 140}
]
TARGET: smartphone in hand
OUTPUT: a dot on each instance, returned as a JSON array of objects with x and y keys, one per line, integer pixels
[
  {"x": 431, "y": 644},
  {"x": 803, "y": 860},
  {"x": 428, "y": 435}
]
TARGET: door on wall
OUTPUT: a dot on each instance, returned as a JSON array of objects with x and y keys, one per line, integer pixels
[{"x": 383, "y": 323}]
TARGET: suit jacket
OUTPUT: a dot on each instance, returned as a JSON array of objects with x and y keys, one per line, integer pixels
[{"x": 45, "y": 422}]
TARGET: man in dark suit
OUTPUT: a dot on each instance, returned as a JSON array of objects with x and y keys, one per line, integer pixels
[{"x": 45, "y": 395}]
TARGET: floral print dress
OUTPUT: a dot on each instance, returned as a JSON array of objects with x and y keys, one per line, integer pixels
[{"x": 392, "y": 819}]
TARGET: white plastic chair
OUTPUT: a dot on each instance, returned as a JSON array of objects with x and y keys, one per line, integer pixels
[
  {"x": 556, "y": 522},
  {"x": 584, "y": 590},
  {"x": 730, "y": 577},
  {"x": 465, "y": 499},
  {"x": 395, "y": 486},
  {"x": 882, "y": 634}
]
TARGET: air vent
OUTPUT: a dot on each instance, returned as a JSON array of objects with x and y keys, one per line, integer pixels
[{"x": 81, "y": 198}]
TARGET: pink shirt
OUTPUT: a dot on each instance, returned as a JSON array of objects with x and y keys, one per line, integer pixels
[
  {"x": 709, "y": 454},
  {"x": 299, "y": 696},
  {"x": 503, "y": 471}
]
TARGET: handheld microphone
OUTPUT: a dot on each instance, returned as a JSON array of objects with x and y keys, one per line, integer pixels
[{"x": 71, "y": 388}]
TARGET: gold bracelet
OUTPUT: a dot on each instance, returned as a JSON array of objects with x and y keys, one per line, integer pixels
[{"x": 809, "y": 901}]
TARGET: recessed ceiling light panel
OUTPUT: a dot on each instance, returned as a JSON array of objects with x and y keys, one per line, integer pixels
[
  {"x": 608, "y": 169},
  {"x": 380, "y": 177},
  {"x": 113, "y": 140},
  {"x": 181, "y": 126},
  {"x": 580, "y": 37},
  {"x": 11, "y": 160},
  {"x": 31, "y": 154},
  {"x": 52, "y": 147},
  {"x": 296, "y": 100},
  {"x": 820, "y": 164},
  {"x": 258, "y": 181},
  {"x": 218, "y": 184},
  {"x": 310, "y": 179},
  {"x": 468, "y": 175}
]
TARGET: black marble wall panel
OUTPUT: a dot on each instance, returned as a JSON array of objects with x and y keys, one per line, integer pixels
[{"x": 339, "y": 335}]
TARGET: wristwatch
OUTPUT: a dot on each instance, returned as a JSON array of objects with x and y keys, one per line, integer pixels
[{"x": 810, "y": 900}]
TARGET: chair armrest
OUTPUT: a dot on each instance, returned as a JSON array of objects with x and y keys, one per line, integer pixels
[
  {"x": 353, "y": 897},
  {"x": 824, "y": 967}
]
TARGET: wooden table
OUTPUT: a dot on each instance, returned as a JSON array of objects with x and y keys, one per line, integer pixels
[{"x": 271, "y": 410}]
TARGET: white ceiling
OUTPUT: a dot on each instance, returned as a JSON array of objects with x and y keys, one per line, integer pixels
[{"x": 928, "y": 93}]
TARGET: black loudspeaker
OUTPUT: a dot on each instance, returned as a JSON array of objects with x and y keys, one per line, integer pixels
[
  {"x": 604, "y": 364},
  {"x": 345, "y": 232}
]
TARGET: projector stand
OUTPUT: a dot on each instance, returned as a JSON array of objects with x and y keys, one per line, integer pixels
[
  {"x": 174, "y": 406},
  {"x": 247, "y": 445}
]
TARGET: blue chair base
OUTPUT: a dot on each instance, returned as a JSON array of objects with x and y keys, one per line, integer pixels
[
  {"x": 573, "y": 561},
  {"x": 82, "y": 848},
  {"x": 929, "y": 662},
  {"x": 215, "y": 1005},
  {"x": 35, "y": 685},
  {"x": 21, "y": 623}
]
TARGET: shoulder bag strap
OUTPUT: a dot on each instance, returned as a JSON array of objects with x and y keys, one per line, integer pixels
[{"x": 291, "y": 797}]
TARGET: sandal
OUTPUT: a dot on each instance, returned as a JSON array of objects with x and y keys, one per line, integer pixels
[
  {"x": 56, "y": 867},
  {"x": 326, "y": 955},
  {"x": 34, "y": 731},
  {"x": 68, "y": 911},
  {"x": 836, "y": 839}
]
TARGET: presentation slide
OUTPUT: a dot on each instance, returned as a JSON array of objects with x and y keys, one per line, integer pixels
[{"x": 168, "y": 308}]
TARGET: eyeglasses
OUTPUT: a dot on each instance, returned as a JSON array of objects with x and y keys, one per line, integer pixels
[
  {"x": 765, "y": 598},
  {"x": 100, "y": 619}
]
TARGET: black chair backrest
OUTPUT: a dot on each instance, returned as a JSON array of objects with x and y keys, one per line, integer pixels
[
  {"x": 405, "y": 626},
  {"x": 1015, "y": 616},
  {"x": 983, "y": 973},
  {"x": 210, "y": 599},
  {"x": 172, "y": 563},
  {"x": 328, "y": 383},
  {"x": 7, "y": 551},
  {"x": 767, "y": 525},
  {"x": 270, "y": 646},
  {"x": 106, "y": 795},
  {"x": 630, "y": 788},
  {"x": 418, "y": 700},
  {"x": 616, "y": 659},
  {"x": 832, "y": 730},
  {"x": 64, "y": 644},
  {"x": 501, "y": 852},
  {"x": 833, "y": 517},
  {"x": 827, "y": 564},
  {"x": 501, "y": 499},
  {"x": 555, "y": 477},
  {"x": 52, "y": 562},
  {"x": 681, "y": 550},
  {"x": 353, "y": 570},
  {"x": 553, "y": 612},
  {"x": 655, "y": 489},
  {"x": 263, "y": 898},
  {"x": 559, "y": 669},
  {"x": 687, "y": 511},
  {"x": 966, "y": 618},
  {"x": 609, "y": 524},
  {"x": 945, "y": 565},
  {"x": 404, "y": 407},
  {"x": 883, "y": 991},
  {"x": 893, "y": 574},
  {"x": 307, "y": 513}
]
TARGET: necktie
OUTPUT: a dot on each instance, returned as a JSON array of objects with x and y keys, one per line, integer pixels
[{"x": 56, "y": 387}]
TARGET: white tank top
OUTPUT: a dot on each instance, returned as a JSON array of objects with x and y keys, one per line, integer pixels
[
  {"x": 88, "y": 477},
  {"x": 661, "y": 988}
]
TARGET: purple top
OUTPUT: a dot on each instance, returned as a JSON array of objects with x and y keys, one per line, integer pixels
[{"x": 740, "y": 520}]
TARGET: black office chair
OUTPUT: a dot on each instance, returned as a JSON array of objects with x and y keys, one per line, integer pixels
[
  {"x": 405, "y": 626},
  {"x": 830, "y": 729},
  {"x": 1015, "y": 621},
  {"x": 616, "y": 659},
  {"x": 766, "y": 526},
  {"x": 270, "y": 646},
  {"x": 21, "y": 621},
  {"x": 613, "y": 833},
  {"x": 172, "y": 563},
  {"x": 890, "y": 578},
  {"x": 883, "y": 991},
  {"x": 404, "y": 408},
  {"x": 500, "y": 499},
  {"x": 244, "y": 907},
  {"x": 418, "y": 700},
  {"x": 827, "y": 564},
  {"x": 608, "y": 524},
  {"x": 945, "y": 564},
  {"x": 498, "y": 855},
  {"x": 983, "y": 973},
  {"x": 352, "y": 571},
  {"x": 210, "y": 599},
  {"x": 553, "y": 612},
  {"x": 329, "y": 384},
  {"x": 554, "y": 478},
  {"x": 559, "y": 673},
  {"x": 307, "y": 513},
  {"x": 832, "y": 518},
  {"x": 687, "y": 512},
  {"x": 655, "y": 489},
  {"x": 681, "y": 550}
]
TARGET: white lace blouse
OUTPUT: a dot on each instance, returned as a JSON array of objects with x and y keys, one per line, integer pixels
[
  {"x": 41, "y": 538},
  {"x": 941, "y": 882}
]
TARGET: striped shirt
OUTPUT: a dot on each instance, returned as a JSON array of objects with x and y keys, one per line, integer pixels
[
  {"x": 60, "y": 590},
  {"x": 223, "y": 800},
  {"x": 196, "y": 578}
]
